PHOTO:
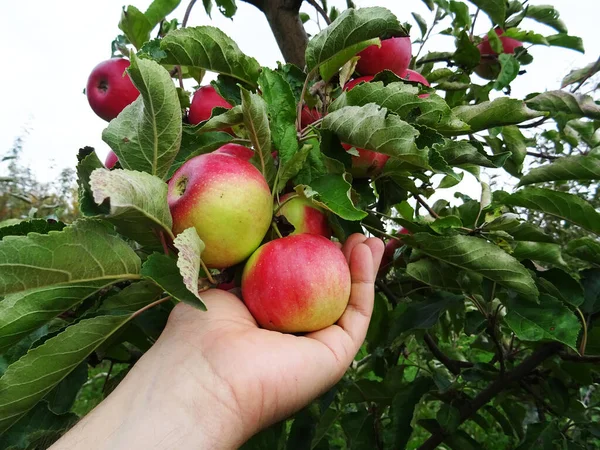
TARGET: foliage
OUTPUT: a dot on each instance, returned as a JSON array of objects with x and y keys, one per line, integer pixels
[{"x": 486, "y": 328}]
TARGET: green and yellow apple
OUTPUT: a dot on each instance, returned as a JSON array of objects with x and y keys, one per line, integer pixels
[{"x": 304, "y": 215}]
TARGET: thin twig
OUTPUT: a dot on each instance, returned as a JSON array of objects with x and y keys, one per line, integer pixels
[
  {"x": 207, "y": 272},
  {"x": 453, "y": 365},
  {"x": 301, "y": 102},
  {"x": 585, "y": 359},
  {"x": 163, "y": 241},
  {"x": 320, "y": 10},
  {"x": 425, "y": 205},
  {"x": 589, "y": 74},
  {"x": 583, "y": 343},
  {"x": 276, "y": 229},
  {"x": 151, "y": 305},
  {"x": 381, "y": 233},
  {"x": 387, "y": 291},
  {"x": 473, "y": 24},
  {"x": 537, "y": 123},
  {"x": 291, "y": 197},
  {"x": 107, "y": 377},
  {"x": 542, "y": 155},
  {"x": 187, "y": 13},
  {"x": 427, "y": 36}
]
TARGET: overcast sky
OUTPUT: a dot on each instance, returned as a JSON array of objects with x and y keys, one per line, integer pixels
[{"x": 50, "y": 47}]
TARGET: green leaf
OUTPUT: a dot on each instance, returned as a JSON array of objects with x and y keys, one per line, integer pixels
[
  {"x": 256, "y": 121},
  {"x": 575, "y": 105},
  {"x": 547, "y": 15},
  {"x": 147, "y": 134},
  {"x": 499, "y": 112},
  {"x": 402, "y": 99},
  {"x": 332, "y": 192},
  {"x": 210, "y": 49},
  {"x": 515, "y": 143},
  {"x": 459, "y": 153},
  {"x": 61, "y": 398},
  {"x": 580, "y": 75},
  {"x": 560, "y": 204},
  {"x": 164, "y": 272},
  {"x": 441, "y": 224},
  {"x": 40, "y": 226},
  {"x": 351, "y": 32},
  {"x": 476, "y": 255},
  {"x": 422, "y": 24},
  {"x": 403, "y": 407},
  {"x": 38, "y": 261},
  {"x": 496, "y": 10},
  {"x": 197, "y": 144},
  {"x": 548, "y": 320},
  {"x": 138, "y": 204},
  {"x": 467, "y": 54},
  {"x": 29, "y": 379},
  {"x": 293, "y": 166},
  {"x": 135, "y": 25},
  {"x": 448, "y": 417},
  {"x": 131, "y": 298},
  {"x": 190, "y": 248},
  {"x": 509, "y": 70},
  {"x": 223, "y": 119},
  {"x": 566, "y": 41},
  {"x": 88, "y": 162},
  {"x": 539, "y": 251},
  {"x": 368, "y": 127},
  {"x": 561, "y": 285},
  {"x": 159, "y": 9},
  {"x": 565, "y": 168},
  {"x": 462, "y": 19},
  {"x": 434, "y": 273},
  {"x": 227, "y": 7},
  {"x": 281, "y": 106},
  {"x": 584, "y": 248},
  {"x": 541, "y": 436}
]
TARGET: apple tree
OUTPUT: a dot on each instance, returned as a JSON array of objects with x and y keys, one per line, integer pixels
[{"x": 486, "y": 327}]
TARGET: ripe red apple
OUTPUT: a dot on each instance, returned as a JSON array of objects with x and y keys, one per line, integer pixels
[
  {"x": 489, "y": 67},
  {"x": 227, "y": 200},
  {"x": 236, "y": 150},
  {"x": 350, "y": 84},
  {"x": 367, "y": 163},
  {"x": 394, "y": 54},
  {"x": 297, "y": 284},
  {"x": 411, "y": 75},
  {"x": 109, "y": 89},
  {"x": 205, "y": 99},
  {"x": 111, "y": 160},
  {"x": 304, "y": 216},
  {"x": 391, "y": 246},
  {"x": 308, "y": 116}
]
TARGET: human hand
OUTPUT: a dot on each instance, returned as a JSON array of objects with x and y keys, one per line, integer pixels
[{"x": 221, "y": 378}]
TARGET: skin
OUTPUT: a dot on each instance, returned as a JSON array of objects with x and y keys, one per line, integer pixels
[
  {"x": 220, "y": 361},
  {"x": 236, "y": 150},
  {"x": 109, "y": 89},
  {"x": 304, "y": 216},
  {"x": 394, "y": 54},
  {"x": 227, "y": 200},
  {"x": 296, "y": 284},
  {"x": 205, "y": 99},
  {"x": 111, "y": 160}
]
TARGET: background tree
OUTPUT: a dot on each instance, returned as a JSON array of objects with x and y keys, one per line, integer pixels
[{"x": 486, "y": 330}]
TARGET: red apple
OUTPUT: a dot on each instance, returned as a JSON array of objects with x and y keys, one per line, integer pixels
[
  {"x": 227, "y": 200},
  {"x": 304, "y": 216},
  {"x": 489, "y": 67},
  {"x": 367, "y": 163},
  {"x": 205, "y": 99},
  {"x": 111, "y": 160},
  {"x": 308, "y": 116},
  {"x": 109, "y": 89},
  {"x": 297, "y": 284},
  {"x": 391, "y": 246},
  {"x": 394, "y": 54},
  {"x": 350, "y": 84},
  {"x": 411, "y": 75},
  {"x": 236, "y": 150}
]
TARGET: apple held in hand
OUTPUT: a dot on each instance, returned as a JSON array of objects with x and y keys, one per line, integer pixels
[
  {"x": 236, "y": 150},
  {"x": 205, "y": 99},
  {"x": 227, "y": 200},
  {"x": 109, "y": 89},
  {"x": 394, "y": 54},
  {"x": 304, "y": 216},
  {"x": 489, "y": 67},
  {"x": 297, "y": 284}
]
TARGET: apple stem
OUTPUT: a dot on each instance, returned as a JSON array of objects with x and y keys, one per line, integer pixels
[
  {"x": 187, "y": 13},
  {"x": 291, "y": 197},
  {"x": 207, "y": 272},
  {"x": 301, "y": 102},
  {"x": 306, "y": 130},
  {"x": 163, "y": 241},
  {"x": 583, "y": 343},
  {"x": 274, "y": 226}
]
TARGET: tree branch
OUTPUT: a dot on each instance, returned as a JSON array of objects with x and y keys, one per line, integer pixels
[
  {"x": 537, "y": 123},
  {"x": 422, "y": 202},
  {"x": 503, "y": 382},
  {"x": 453, "y": 365},
  {"x": 188, "y": 10},
  {"x": 320, "y": 10},
  {"x": 387, "y": 291},
  {"x": 542, "y": 155},
  {"x": 593, "y": 359}
]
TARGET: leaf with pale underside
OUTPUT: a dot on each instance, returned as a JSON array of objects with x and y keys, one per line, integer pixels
[
  {"x": 138, "y": 204},
  {"x": 256, "y": 121},
  {"x": 499, "y": 112},
  {"x": 479, "y": 256},
  {"x": 209, "y": 48},
  {"x": 565, "y": 168},
  {"x": 575, "y": 105},
  {"x": 560, "y": 204},
  {"x": 220, "y": 120},
  {"x": 38, "y": 261},
  {"x": 551, "y": 320},
  {"x": 351, "y": 32},
  {"x": 190, "y": 248},
  {"x": 25, "y": 227},
  {"x": 332, "y": 192},
  {"x": 146, "y": 135},
  {"x": 370, "y": 127}
]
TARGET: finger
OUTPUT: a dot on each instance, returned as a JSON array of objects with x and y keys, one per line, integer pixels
[
  {"x": 377, "y": 248},
  {"x": 352, "y": 242},
  {"x": 338, "y": 245}
]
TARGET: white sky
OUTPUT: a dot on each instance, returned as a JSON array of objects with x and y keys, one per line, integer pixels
[{"x": 50, "y": 47}]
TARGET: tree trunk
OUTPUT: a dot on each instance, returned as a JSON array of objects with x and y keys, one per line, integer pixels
[{"x": 284, "y": 18}]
